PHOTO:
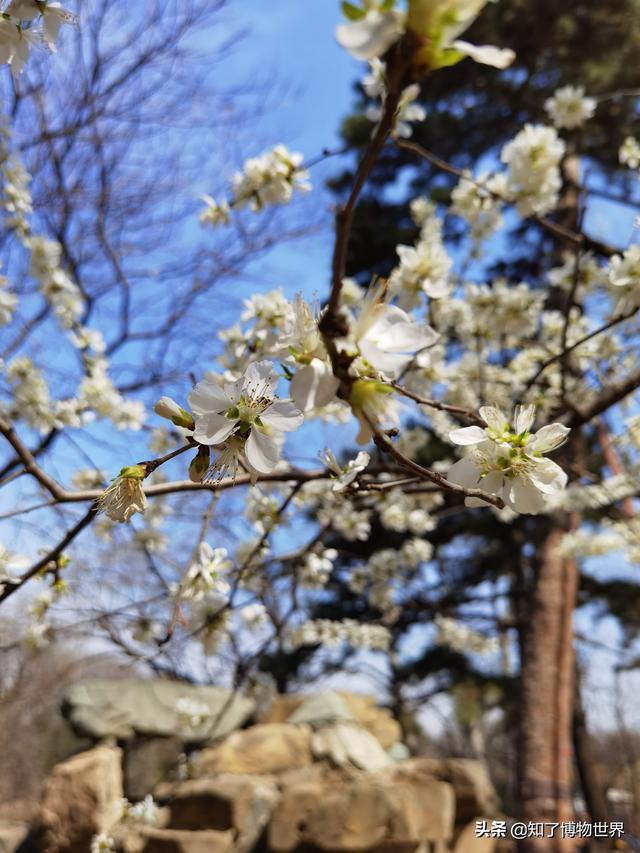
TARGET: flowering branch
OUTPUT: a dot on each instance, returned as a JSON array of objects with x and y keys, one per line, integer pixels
[
  {"x": 385, "y": 445},
  {"x": 581, "y": 240}
]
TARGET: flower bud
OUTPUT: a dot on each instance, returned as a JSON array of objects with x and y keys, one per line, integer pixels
[
  {"x": 169, "y": 409},
  {"x": 199, "y": 464}
]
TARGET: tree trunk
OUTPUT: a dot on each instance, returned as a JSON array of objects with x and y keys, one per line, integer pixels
[
  {"x": 547, "y": 652},
  {"x": 590, "y": 781},
  {"x": 547, "y": 695}
]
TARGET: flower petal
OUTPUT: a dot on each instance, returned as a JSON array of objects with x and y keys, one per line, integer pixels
[
  {"x": 370, "y": 37},
  {"x": 524, "y": 418},
  {"x": 547, "y": 476},
  {"x": 524, "y": 497},
  {"x": 468, "y": 435},
  {"x": 260, "y": 376},
  {"x": 313, "y": 385},
  {"x": 262, "y": 451},
  {"x": 486, "y": 54},
  {"x": 282, "y": 415},
  {"x": 464, "y": 473},
  {"x": 208, "y": 397},
  {"x": 389, "y": 363},
  {"x": 549, "y": 438},
  {"x": 213, "y": 428},
  {"x": 494, "y": 418}
]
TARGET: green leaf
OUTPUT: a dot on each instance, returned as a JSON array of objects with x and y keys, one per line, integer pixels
[
  {"x": 387, "y": 6},
  {"x": 353, "y": 13}
]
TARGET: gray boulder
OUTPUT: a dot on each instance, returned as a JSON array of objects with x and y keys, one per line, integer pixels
[
  {"x": 125, "y": 709},
  {"x": 322, "y": 709},
  {"x": 347, "y": 745}
]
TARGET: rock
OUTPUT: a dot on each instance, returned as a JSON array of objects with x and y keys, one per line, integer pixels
[
  {"x": 243, "y": 804},
  {"x": 12, "y": 835},
  {"x": 367, "y": 815},
  {"x": 346, "y": 744},
  {"x": 268, "y": 748},
  {"x": 469, "y": 842},
  {"x": 79, "y": 800},
  {"x": 379, "y": 721},
  {"x": 183, "y": 841},
  {"x": 399, "y": 752},
  {"x": 281, "y": 707},
  {"x": 147, "y": 762},
  {"x": 331, "y": 706},
  {"x": 321, "y": 709},
  {"x": 475, "y": 794},
  {"x": 123, "y": 709}
]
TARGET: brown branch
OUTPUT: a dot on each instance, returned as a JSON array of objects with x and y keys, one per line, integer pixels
[
  {"x": 458, "y": 411},
  {"x": 607, "y": 398},
  {"x": 344, "y": 214},
  {"x": 385, "y": 445}
]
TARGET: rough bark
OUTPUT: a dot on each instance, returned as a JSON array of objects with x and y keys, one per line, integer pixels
[
  {"x": 590, "y": 780},
  {"x": 546, "y": 760}
]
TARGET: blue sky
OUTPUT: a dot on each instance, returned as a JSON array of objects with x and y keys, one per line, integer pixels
[{"x": 293, "y": 45}]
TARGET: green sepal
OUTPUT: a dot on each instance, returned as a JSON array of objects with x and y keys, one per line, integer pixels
[{"x": 352, "y": 12}]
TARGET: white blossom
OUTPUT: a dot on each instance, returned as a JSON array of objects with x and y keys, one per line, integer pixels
[
  {"x": 39, "y": 635},
  {"x": 439, "y": 23},
  {"x": 326, "y": 632},
  {"x": 478, "y": 203},
  {"x": 244, "y": 417},
  {"x": 316, "y": 568},
  {"x": 125, "y": 496},
  {"x": 344, "y": 474},
  {"x": 192, "y": 713},
  {"x": 406, "y": 112},
  {"x": 462, "y": 638},
  {"x": 386, "y": 336},
  {"x": 629, "y": 153},
  {"x": 169, "y": 409},
  {"x": 416, "y": 551},
  {"x": 373, "y": 404},
  {"x": 144, "y": 812},
  {"x": 569, "y": 107},
  {"x": 8, "y": 303},
  {"x": 254, "y": 616},
  {"x": 313, "y": 383},
  {"x": 624, "y": 273},
  {"x": 102, "y": 843},
  {"x": 533, "y": 159},
  {"x": 205, "y": 574},
  {"x": 372, "y": 34},
  {"x": 509, "y": 461},
  {"x": 425, "y": 267},
  {"x": 215, "y": 212},
  {"x": 271, "y": 178}
]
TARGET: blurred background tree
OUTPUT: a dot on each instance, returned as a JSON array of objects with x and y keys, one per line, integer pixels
[{"x": 487, "y": 573}]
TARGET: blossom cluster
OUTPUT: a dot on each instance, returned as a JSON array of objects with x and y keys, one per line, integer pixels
[
  {"x": 96, "y": 394},
  {"x": 462, "y": 638},
  {"x": 330, "y": 633},
  {"x": 270, "y": 179}
]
